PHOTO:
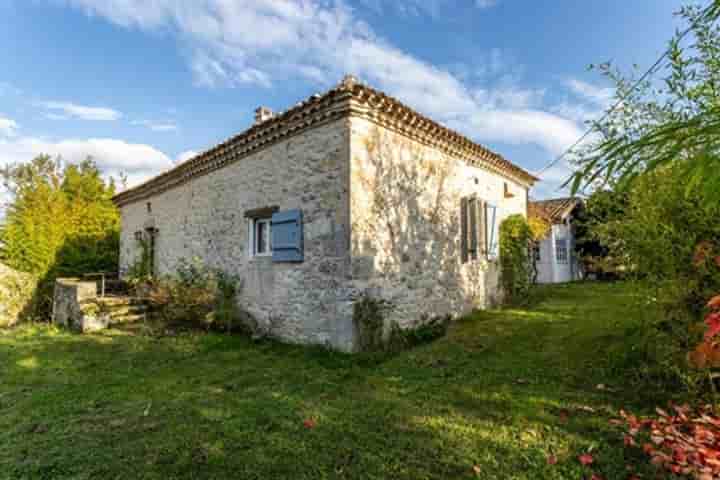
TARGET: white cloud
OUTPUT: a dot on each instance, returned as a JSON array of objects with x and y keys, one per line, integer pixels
[
  {"x": 113, "y": 156},
  {"x": 550, "y": 131},
  {"x": 600, "y": 96},
  {"x": 156, "y": 126},
  {"x": 72, "y": 110},
  {"x": 8, "y": 127},
  {"x": 234, "y": 43},
  {"x": 185, "y": 156}
]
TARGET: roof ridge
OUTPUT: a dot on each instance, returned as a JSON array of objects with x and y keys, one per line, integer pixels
[{"x": 313, "y": 110}]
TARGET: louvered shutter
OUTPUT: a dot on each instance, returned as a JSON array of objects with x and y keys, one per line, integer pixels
[
  {"x": 482, "y": 227},
  {"x": 492, "y": 230},
  {"x": 473, "y": 228},
  {"x": 464, "y": 229},
  {"x": 287, "y": 236}
]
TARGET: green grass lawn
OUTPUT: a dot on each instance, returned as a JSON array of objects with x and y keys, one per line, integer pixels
[{"x": 493, "y": 399}]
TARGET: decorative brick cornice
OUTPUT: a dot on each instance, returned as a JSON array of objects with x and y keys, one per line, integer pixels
[{"x": 349, "y": 98}]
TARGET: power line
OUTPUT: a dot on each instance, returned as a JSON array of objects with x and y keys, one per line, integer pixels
[{"x": 595, "y": 123}]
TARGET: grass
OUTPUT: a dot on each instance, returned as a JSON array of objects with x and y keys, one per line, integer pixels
[{"x": 492, "y": 400}]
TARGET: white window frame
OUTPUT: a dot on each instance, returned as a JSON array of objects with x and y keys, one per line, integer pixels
[
  {"x": 252, "y": 235},
  {"x": 563, "y": 259}
]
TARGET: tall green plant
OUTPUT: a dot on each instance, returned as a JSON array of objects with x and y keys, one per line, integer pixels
[
  {"x": 677, "y": 123},
  {"x": 515, "y": 261},
  {"x": 60, "y": 221}
]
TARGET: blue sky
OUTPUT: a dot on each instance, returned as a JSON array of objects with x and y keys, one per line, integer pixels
[{"x": 140, "y": 85}]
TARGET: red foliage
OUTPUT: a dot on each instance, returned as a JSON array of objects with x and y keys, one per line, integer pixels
[
  {"x": 707, "y": 353},
  {"x": 310, "y": 423},
  {"x": 713, "y": 322},
  {"x": 684, "y": 442},
  {"x": 586, "y": 459},
  {"x": 714, "y": 303}
]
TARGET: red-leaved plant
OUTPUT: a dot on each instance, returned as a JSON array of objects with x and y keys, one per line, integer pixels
[
  {"x": 685, "y": 441},
  {"x": 707, "y": 353}
]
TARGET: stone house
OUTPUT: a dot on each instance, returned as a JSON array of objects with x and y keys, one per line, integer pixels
[
  {"x": 555, "y": 258},
  {"x": 347, "y": 195}
]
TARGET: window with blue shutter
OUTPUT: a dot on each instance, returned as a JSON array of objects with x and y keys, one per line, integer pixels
[
  {"x": 287, "y": 236},
  {"x": 491, "y": 236}
]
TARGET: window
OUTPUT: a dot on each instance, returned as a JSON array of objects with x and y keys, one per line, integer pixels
[
  {"x": 536, "y": 251},
  {"x": 478, "y": 229},
  {"x": 561, "y": 251},
  {"x": 260, "y": 237}
]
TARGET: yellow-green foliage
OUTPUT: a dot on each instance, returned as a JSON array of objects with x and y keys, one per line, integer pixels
[
  {"x": 515, "y": 238},
  {"x": 60, "y": 222},
  {"x": 16, "y": 292}
]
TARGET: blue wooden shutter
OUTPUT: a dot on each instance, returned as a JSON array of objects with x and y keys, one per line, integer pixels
[
  {"x": 287, "y": 236},
  {"x": 492, "y": 233}
]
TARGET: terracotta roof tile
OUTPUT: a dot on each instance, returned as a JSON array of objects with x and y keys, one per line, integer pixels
[
  {"x": 349, "y": 98},
  {"x": 552, "y": 210}
]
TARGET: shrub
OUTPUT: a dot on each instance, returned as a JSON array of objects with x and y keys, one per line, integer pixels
[
  {"x": 369, "y": 315},
  {"x": 369, "y": 322},
  {"x": 427, "y": 331},
  {"x": 198, "y": 297},
  {"x": 16, "y": 296},
  {"x": 516, "y": 268}
]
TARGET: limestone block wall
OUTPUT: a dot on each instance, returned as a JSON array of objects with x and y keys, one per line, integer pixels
[
  {"x": 69, "y": 296},
  {"x": 405, "y": 216},
  {"x": 308, "y": 302}
]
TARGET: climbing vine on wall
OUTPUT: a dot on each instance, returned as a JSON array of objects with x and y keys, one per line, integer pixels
[{"x": 515, "y": 260}]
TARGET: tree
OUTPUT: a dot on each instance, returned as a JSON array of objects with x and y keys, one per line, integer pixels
[
  {"x": 678, "y": 124},
  {"x": 60, "y": 221}
]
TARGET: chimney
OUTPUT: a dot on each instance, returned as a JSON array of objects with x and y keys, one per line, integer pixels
[{"x": 262, "y": 114}]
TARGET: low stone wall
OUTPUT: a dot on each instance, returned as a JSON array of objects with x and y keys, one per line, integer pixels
[
  {"x": 74, "y": 306},
  {"x": 16, "y": 294}
]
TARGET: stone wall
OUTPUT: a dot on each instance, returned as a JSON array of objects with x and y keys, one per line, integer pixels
[
  {"x": 405, "y": 215},
  {"x": 70, "y": 298},
  {"x": 309, "y": 302},
  {"x": 381, "y": 218}
]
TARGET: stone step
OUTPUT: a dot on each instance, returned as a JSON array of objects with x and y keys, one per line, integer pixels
[
  {"x": 127, "y": 318},
  {"x": 128, "y": 310},
  {"x": 122, "y": 301}
]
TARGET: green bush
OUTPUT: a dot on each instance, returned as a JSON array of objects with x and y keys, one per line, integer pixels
[
  {"x": 516, "y": 269},
  {"x": 427, "y": 331},
  {"x": 16, "y": 294},
  {"x": 369, "y": 315},
  {"x": 369, "y": 322},
  {"x": 198, "y": 297},
  {"x": 669, "y": 242}
]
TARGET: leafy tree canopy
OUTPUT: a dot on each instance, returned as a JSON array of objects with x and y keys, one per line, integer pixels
[
  {"x": 677, "y": 122},
  {"x": 60, "y": 220}
]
